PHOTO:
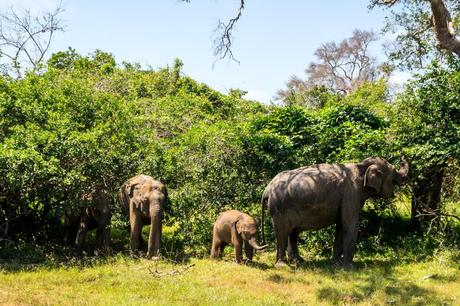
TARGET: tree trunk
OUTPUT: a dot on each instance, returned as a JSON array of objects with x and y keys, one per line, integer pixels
[{"x": 444, "y": 31}]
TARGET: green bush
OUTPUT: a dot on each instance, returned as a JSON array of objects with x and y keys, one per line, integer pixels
[{"x": 88, "y": 121}]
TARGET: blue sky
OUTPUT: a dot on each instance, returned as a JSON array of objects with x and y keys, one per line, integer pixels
[{"x": 273, "y": 40}]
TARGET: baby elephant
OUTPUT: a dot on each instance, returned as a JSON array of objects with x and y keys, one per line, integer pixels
[{"x": 235, "y": 227}]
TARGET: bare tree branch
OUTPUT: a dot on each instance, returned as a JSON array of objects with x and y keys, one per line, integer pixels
[
  {"x": 223, "y": 43},
  {"x": 25, "y": 39}
]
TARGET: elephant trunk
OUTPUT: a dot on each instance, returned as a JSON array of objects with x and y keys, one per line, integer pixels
[
  {"x": 252, "y": 242},
  {"x": 403, "y": 171}
]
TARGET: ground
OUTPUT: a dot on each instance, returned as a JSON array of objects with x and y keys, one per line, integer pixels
[{"x": 121, "y": 280}]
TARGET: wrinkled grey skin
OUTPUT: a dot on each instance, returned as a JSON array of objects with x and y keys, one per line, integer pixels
[
  {"x": 96, "y": 216},
  {"x": 318, "y": 196},
  {"x": 144, "y": 199},
  {"x": 236, "y": 228}
]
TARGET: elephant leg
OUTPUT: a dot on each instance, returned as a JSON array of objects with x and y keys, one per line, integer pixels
[
  {"x": 71, "y": 231},
  {"x": 136, "y": 226},
  {"x": 106, "y": 240},
  {"x": 350, "y": 235},
  {"x": 99, "y": 237},
  {"x": 103, "y": 238},
  {"x": 293, "y": 250},
  {"x": 81, "y": 235},
  {"x": 237, "y": 242},
  {"x": 248, "y": 250},
  {"x": 154, "y": 237},
  {"x": 338, "y": 244},
  {"x": 238, "y": 252},
  {"x": 281, "y": 243},
  {"x": 215, "y": 249}
]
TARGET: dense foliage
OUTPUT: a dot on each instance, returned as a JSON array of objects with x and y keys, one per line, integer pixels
[
  {"x": 89, "y": 122},
  {"x": 429, "y": 131}
]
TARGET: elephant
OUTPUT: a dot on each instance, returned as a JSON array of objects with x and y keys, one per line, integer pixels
[
  {"x": 237, "y": 228},
  {"x": 95, "y": 216},
  {"x": 315, "y": 197},
  {"x": 144, "y": 199}
]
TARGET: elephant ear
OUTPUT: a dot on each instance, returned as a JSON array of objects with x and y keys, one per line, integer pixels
[
  {"x": 132, "y": 195},
  {"x": 166, "y": 203},
  {"x": 373, "y": 178},
  {"x": 131, "y": 189},
  {"x": 239, "y": 226}
]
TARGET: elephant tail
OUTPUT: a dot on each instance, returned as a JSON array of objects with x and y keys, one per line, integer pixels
[{"x": 264, "y": 202}]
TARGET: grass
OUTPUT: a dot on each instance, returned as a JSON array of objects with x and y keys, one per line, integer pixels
[
  {"x": 122, "y": 280},
  {"x": 394, "y": 266}
]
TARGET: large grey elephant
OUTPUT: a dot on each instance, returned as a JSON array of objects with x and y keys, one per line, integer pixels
[
  {"x": 236, "y": 228},
  {"x": 96, "y": 215},
  {"x": 314, "y": 197},
  {"x": 144, "y": 199}
]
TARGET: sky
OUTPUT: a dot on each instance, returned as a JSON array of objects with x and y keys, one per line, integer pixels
[{"x": 273, "y": 39}]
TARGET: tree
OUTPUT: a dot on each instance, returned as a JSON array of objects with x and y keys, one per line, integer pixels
[
  {"x": 423, "y": 30},
  {"x": 429, "y": 133},
  {"x": 298, "y": 93},
  {"x": 339, "y": 68},
  {"x": 25, "y": 39}
]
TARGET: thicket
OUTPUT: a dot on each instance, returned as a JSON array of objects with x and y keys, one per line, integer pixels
[{"x": 87, "y": 121}]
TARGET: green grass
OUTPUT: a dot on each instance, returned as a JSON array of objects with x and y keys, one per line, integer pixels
[{"x": 121, "y": 280}]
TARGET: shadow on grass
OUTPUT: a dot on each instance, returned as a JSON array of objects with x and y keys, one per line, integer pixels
[
  {"x": 398, "y": 293},
  {"x": 259, "y": 265},
  {"x": 381, "y": 279},
  {"x": 29, "y": 257},
  {"x": 326, "y": 266}
]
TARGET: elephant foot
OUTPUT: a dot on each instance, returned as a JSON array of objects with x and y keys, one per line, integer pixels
[
  {"x": 248, "y": 262},
  {"x": 348, "y": 266},
  {"x": 134, "y": 254},
  {"x": 296, "y": 259},
  {"x": 153, "y": 257},
  {"x": 337, "y": 262},
  {"x": 215, "y": 257},
  {"x": 280, "y": 264}
]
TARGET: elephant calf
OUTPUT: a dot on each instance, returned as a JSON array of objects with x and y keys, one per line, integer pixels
[
  {"x": 235, "y": 227},
  {"x": 96, "y": 216},
  {"x": 144, "y": 199}
]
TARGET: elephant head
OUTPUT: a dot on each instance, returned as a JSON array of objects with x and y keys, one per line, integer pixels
[
  {"x": 148, "y": 195},
  {"x": 246, "y": 227},
  {"x": 381, "y": 177}
]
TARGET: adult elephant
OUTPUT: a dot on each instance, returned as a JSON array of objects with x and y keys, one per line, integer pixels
[
  {"x": 314, "y": 197},
  {"x": 96, "y": 215},
  {"x": 144, "y": 199}
]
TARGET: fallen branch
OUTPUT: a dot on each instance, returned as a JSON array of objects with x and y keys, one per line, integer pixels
[{"x": 172, "y": 272}]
